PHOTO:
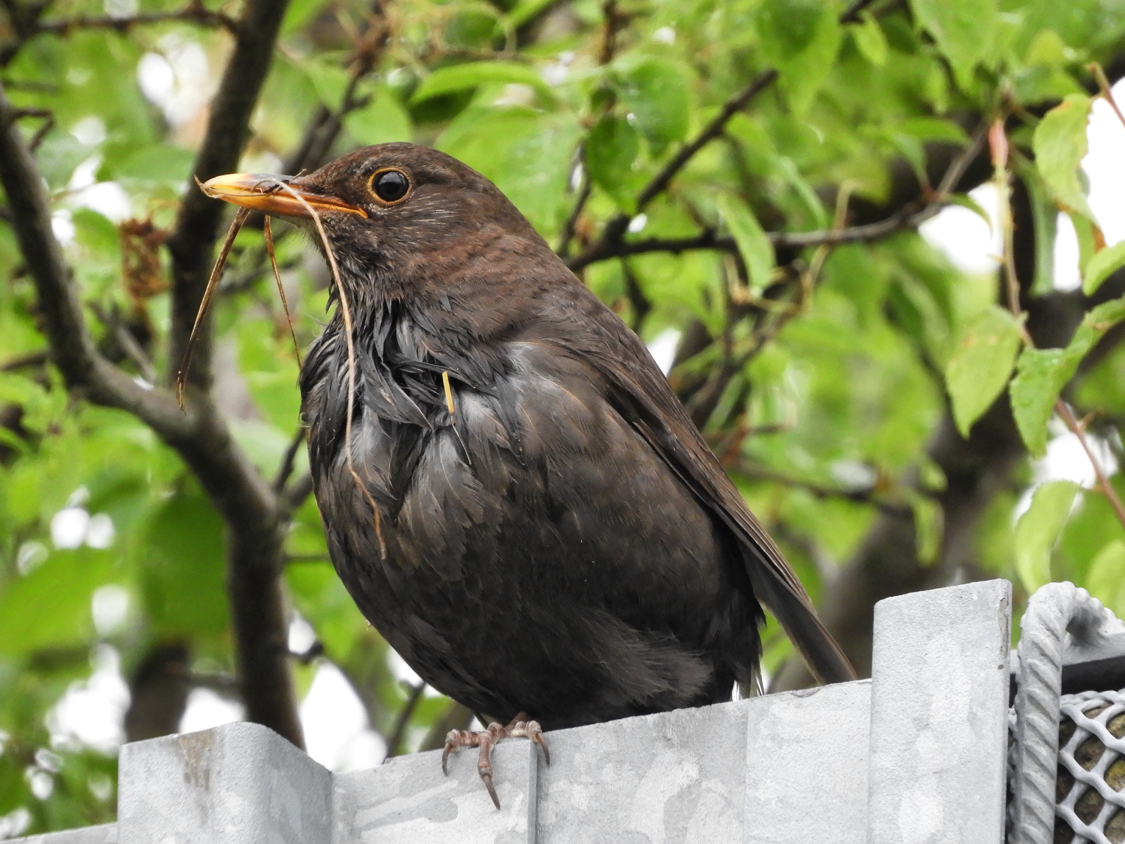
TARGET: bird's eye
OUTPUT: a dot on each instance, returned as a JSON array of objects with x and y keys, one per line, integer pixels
[{"x": 390, "y": 186}]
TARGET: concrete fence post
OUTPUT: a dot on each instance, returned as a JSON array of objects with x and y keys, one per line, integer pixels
[
  {"x": 916, "y": 754},
  {"x": 236, "y": 784},
  {"x": 939, "y": 716}
]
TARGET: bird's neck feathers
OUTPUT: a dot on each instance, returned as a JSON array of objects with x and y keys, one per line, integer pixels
[{"x": 463, "y": 289}]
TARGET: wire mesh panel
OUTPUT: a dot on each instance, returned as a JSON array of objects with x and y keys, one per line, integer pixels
[{"x": 1091, "y": 776}]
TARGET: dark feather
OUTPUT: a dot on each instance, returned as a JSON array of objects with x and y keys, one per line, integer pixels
[{"x": 562, "y": 543}]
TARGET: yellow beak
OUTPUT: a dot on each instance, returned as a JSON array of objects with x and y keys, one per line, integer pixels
[{"x": 279, "y": 195}]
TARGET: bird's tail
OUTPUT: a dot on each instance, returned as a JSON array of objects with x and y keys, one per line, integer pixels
[{"x": 795, "y": 612}]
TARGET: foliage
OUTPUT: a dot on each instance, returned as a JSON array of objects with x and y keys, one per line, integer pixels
[{"x": 821, "y": 367}]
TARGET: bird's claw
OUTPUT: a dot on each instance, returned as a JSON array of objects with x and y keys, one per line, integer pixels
[{"x": 520, "y": 727}]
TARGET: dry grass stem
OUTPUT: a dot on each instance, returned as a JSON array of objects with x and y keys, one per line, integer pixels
[
  {"x": 205, "y": 303},
  {"x": 280, "y": 287},
  {"x": 448, "y": 392},
  {"x": 346, "y": 313}
]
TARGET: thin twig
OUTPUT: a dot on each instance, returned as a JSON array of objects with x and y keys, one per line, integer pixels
[
  {"x": 614, "y": 21},
  {"x": 1106, "y": 90},
  {"x": 614, "y": 231},
  {"x": 617, "y": 226},
  {"x": 402, "y": 720},
  {"x": 855, "y": 11},
  {"x": 199, "y": 219},
  {"x": 285, "y": 470},
  {"x": 128, "y": 343},
  {"x": 908, "y": 218},
  {"x": 28, "y": 26},
  {"x": 327, "y": 123},
  {"x": 28, "y": 360},
  {"x": 314, "y": 651},
  {"x": 711, "y": 131},
  {"x": 195, "y": 13},
  {"x": 297, "y": 494},
  {"x": 570, "y": 227},
  {"x": 998, "y": 143},
  {"x": 1079, "y": 431}
]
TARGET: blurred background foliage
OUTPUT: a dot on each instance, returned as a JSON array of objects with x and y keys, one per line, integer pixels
[{"x": 670, "y": 149}]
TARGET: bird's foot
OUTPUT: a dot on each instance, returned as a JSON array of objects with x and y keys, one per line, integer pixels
[{"x": 520, "y": 727}]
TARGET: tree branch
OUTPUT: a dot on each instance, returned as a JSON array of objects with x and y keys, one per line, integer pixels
[
  {"x": 868, "y": 494},
  {"x": 27, "y": 24},
  {"x": 976, "y": 469},
  {"x": 246, "y": 502},
  {"x": 907, "y": 218},
  {"x": 327, "y": 123},
  {"x": 855, "y": 11},
  {"x": 72, "y": 348},
  {"x": 615, "y": 229},
  {"x": 194, "y": 12},
  {"x": 193, "y": 237}
]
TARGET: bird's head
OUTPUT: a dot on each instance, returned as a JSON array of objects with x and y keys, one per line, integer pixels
[{"x": 396, "y": 215}]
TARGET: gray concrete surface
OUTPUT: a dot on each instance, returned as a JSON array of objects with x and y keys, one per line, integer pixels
[
  {"x": 806, "y": 766},
  {"x": 939, "y": 716},
  {"x": 101, "y": 834},
  {"x": 239, "y": 783},
  {"x": 408, "y": 800},
  {"x": 914, "y": 755},
  {"x": 675, "y": 776}
]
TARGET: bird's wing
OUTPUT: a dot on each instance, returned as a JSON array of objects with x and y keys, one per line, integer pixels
[{"x": 639, "y": 392}]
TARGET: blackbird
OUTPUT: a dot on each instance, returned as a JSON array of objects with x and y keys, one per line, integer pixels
[{"x": 527, "y": 514}]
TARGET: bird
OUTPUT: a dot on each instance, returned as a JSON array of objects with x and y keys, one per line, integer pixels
[{"x": 510, "y": 490}]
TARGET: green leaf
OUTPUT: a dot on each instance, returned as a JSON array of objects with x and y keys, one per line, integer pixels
[
  {"x": 611, "y": 149},
  {"x": 1102, "y": 266},
  {"x": 299, "y": 14},
  {"x": 811, "y": 203},
  {"x": 156, "y": 163},
  {"x": 527, "y": 154},
  {"x": 269, "y": 372},
  {"x": 753, "y": 245},
  {"x": 800, "y": 38},
  {"x": 870, "y": 40},
  {"x": 1038, "y": 529},
  {"x": 58, "y": 156},
  {"x": 526, "y": 10},
  {"x": 323, "y": 600},
  {"x": 963, "y": 29},
  {"x": 1106, "y": 579},
  {"x": 447, "y": 80},
  {"x": 1060, "y": 144},
  {"x": 50, "y": 606},
  {"x": 980, "y": 365},
  {"x": 967, "y": 202},
  {"x": 1088, "y": 234},
  {"x": 934, "y": 129},
  {"x": 655, "y": 92},
  {"x": 382, "y": 120},
  {"x": 928, "y": 526},
  {"x": 181, "y": 563},
  {"x": 1045, "y": 217},
  {"x": 1042, "y": 373},
  {"x": 329, "y": 78}
]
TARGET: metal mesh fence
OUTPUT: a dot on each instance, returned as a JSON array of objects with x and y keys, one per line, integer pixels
[{"x": 1090, "y": 803}]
